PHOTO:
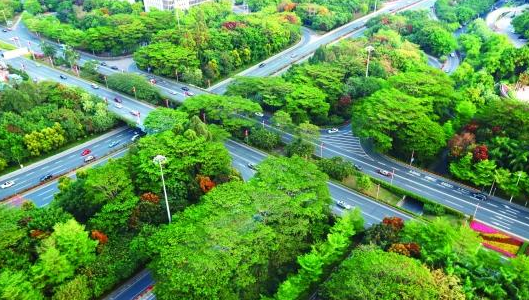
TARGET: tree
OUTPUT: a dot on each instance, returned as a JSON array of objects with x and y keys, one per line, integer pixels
[
  {"x": 162, "y": 119},
  {"x": 264, "y": 139},
  {"x": 33, "y": 7},
  {"x": 17, "y": 286},
  {"x": 336, "y": 167},
  {"x": 374, "y": 274},
  {"x": 281, "y": 119},
  {"x": 76, "y": 288},
  {"x": 71, "y": 56},
  {"x": 308, "y": 131},
  {"x": 300, "y": 148},
  {"x": 307, "y": 103},
  {"x": 127, "y": 83}
]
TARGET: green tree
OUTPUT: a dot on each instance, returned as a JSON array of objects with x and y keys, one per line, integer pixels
[
  {"x": 264, "y": 139},
  {"x": 33, "y": 6},
  {"x": 336, "y": 167},
  {"x": 162, "y": 119},
  {"x": 127, "y": 83},
  {"x": 17, "y": 286}
]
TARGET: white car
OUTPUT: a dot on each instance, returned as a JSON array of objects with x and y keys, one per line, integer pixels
[
  {"x": 343, "y": 205},
  {"x": 117, "y": 105},
  {"x": 293, "y": 55},
  {"x": 172, "y": 92},
  {"x": 333, "y": 130},
  {"x": 259, "y": 114},
  {"x": 134, "y": 137},
  {"x": 7, "y": 184},
  {"x": 452, "y": 54},
  {"x": 94, "y": 86}
]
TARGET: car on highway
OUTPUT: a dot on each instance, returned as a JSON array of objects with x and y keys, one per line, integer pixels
[
  {"x": 114, "y": 68},
  {"x": 7, "y": 184},
  {"x": 384, "y": 172},
  {"x": 293, "y": 55},
  {"x": 113, "y": 144},
  {"x": 89, "y": 158},
  {"x": 4, "y": 30},
  {"x": 118, "y": 100},
  {"x": 261, "y": 65},
  {"x": 448, "y": 185},
  {"x": 333, "y": 130},
  {"x": 117, "y": 105},
  {"x": 135, "y": 113},
  {"x": 452, "y": 54},
  {"x": 37, "y": 65},
  {"x": 189, "y": 94},
  {"x": 46, "y": 177},
  {"x": 86, "y": 152},
  {"x": 259, "y": 114},
  {"x": 479, "y": 196},
  {"x": 343, "y": 205},
  {"x": 252, "y": 166},
  {"x": 172, "y": 92},
  {"x": 94, "y": 86},
  {"x": 135, "y": 137},
  {"x": 104, "y": 64},
  {"x": 357, "y": 167},
  {"x": 62, "y": 77},
  {"x": 185, "y": 88}
]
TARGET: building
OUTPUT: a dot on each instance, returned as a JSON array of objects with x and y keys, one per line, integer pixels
[{"x": 171, "y": 4}]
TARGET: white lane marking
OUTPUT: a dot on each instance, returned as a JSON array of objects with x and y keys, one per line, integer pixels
[
  {"x": 500, "y": 225},
  {"x": 492, "y": 204},
  {"x": 504, "y": 220},
  {"x": 45, "y": 192},
  {"x": 30, "y": 173},
  {"x": 456, "y": 204}
]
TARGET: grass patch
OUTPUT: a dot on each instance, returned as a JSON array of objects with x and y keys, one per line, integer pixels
[
  {"x": 6, "y": 46},
  {"x": 32, "y": 160},
  {"x": 384, "y": 195}
]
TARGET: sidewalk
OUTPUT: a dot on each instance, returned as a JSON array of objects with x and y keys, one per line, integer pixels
[{"x": 61, "y": 154}]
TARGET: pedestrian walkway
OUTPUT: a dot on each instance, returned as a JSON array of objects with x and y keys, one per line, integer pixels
[{"x": 345, "y": 140}]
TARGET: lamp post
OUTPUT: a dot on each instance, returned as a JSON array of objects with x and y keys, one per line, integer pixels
[
  {"x": 476, "y": 210},
  {"x": 375, "y": 9},
  {"x": 160, "y": 159},
  {"x": 517, "y": 182},
  {"x": 368, "y": 49}
]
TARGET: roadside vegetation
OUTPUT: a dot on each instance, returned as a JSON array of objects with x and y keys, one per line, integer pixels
[
  {"x": 38, "y": 118},
  {"x": 201, "y": 46},
  {"x": 521, "y": 24}
]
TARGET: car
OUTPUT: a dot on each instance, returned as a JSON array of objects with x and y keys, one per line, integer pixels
[
  {"x": 94, "y": 86},
  {"x": 7, "y": 184},
  {"x": 357, "y": 167},
  {"x": 152, "y": 81},
  {"x": 114, "y": 68},
  {"x": 118, "y": 100},
  {"x": 332, "y": 130},
  {"x": 62, "y": 76},
  {"x": 103, "y": 64},
  {"x": 343, "y": 205},
  {"x": 189, "y": 94},
  {"x": 479, "y": 196},
  {"x": 113, "y": 144},
  {"x": 185, "y": 88},
  {"x": 452, "y": 54},
  {"x": 135, "y": 137},
  {"x": 4, "y": 30},
  {"x": 252, "y": 166},
  {"x": 258, "y": 114},
  {"x": 447, "y": 71},
  {"x": 37, "y": 65},
  {"x": 261, "y": 65},
  {"x": 172, "y": 92},
  {"x": 135, "y": 113},
  {"x": 448, "y": 185},
  {"x": 86, "y": 152},
  {"x": 46, "y": 177},
  {"x": 430, "y": 178},
  {"x": 384, "y": 172},
  {"x": 117, "y": 105},
  {"x": 293, "y": 55},
  {"x": 89, "y": 158}
]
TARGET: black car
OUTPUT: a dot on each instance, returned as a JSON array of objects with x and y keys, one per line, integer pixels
[
  {"x": 46, "y": 177},
  {"x": 185, "y": 88},
  {"x": 114, "y": 68},
  {"x": 479, "y": 196},
  {"x": 252, "y": 166},
  {"x": 62, "y": 76},
  {"x": 103, "y": 63},
  {"x": 261, "y": 65}
]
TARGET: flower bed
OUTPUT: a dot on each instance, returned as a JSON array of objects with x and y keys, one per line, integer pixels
[{"x": 497, "y": 240}]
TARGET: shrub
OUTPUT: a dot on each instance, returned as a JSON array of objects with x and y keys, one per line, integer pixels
[{"x": 434, "y": 209}]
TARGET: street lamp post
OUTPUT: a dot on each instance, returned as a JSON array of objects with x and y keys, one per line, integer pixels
[
  {"x": 517, "y": 182},
  {"x": 476, "y": 210},
  {"x": 160, "y": 159},
  {"x": 375, "y": 9},
  {"x": 368, "y": 49}
]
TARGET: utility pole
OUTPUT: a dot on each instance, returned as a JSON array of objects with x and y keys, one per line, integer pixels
[
  {"x": 5, "y": 18},
  {"x": 375, "y": 9},
  {"x": 517, "y": 182},
  {"x": 368, "y": 49},
  {"x": 160, "y": 159}
]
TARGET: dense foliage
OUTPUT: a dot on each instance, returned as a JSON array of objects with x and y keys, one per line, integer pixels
[
  {"x": 521, "y": 24},
  {"x": 323, "y": 90},
  {"x": 242, "y": 237},
  {"x": 320, "y": 14},
  {"x": 9, "y": 8},
  {"x": 212, "y": 43},
  {"x": 134, "y": 85},
  {"x": 461, "y": 11},
  {"x": 433, "y": 36},
  {"x": 36, "y": 118}
]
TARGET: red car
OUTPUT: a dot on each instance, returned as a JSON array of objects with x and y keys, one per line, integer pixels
[{"x": 86, "y": 152}]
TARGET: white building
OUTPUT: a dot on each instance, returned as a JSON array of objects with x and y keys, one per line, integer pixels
[{"x": 171, "y": 4}]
